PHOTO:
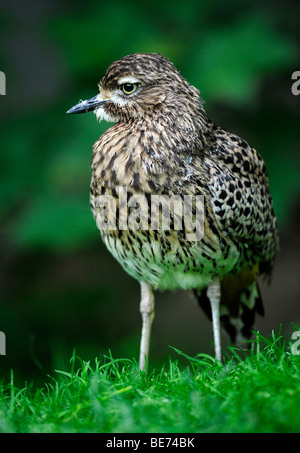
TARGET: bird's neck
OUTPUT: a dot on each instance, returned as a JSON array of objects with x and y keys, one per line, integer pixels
[
  {"x": 150, "y": 148},
  {"x": 177, "y": 130}
]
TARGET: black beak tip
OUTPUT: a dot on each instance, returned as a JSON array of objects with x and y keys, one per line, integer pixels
[
  {"x": 81, "y": 107},
  {"x": 70, "y": 110},
  {"x": 86, "y": 106}
]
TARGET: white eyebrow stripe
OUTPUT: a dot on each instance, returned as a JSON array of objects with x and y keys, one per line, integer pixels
[{"x": 128, "y": 79}]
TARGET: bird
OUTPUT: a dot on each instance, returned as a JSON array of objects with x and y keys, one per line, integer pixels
[{"x": 163, "y": 146}]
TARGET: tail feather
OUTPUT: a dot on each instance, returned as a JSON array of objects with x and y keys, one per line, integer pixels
[{"x": 238, "y": 320}]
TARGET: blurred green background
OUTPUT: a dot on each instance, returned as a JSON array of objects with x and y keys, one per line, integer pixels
[{"x": 60, "y": 288}]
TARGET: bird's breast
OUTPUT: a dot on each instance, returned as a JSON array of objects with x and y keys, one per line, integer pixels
[{"x": 165, "y": 260}]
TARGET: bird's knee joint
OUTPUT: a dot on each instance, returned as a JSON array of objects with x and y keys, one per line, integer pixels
[
  {"x": 147, "y": 307},
  {"x": 214, "y": 292}
]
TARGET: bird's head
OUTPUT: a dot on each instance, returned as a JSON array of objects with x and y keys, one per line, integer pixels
[{"x": 140, "y": 85}]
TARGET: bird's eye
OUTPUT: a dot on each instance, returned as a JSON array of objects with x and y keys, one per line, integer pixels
[{"x": 129, "y": 88}]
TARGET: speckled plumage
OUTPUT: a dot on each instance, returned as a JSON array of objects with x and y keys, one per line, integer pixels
[{"x": 164, "y": 144}]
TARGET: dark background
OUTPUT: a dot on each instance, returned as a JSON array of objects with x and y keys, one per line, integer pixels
[{"x": 60, "y": 288}]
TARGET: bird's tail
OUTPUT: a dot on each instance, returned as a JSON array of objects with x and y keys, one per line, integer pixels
[{"x": 237, "y": 310}]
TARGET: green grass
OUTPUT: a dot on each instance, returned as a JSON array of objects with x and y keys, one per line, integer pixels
[{"x": 253, "y": 391}]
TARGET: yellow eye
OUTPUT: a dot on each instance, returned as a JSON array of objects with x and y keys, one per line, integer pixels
[{"x": 129, "y": 88}]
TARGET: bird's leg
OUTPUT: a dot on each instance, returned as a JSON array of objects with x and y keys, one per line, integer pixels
[
  {"x": 214, "y": 295},
  {"x": 147, "y": 312}
]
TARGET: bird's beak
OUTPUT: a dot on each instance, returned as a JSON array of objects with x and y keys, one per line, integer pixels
[{"x": 87, "y": 105}]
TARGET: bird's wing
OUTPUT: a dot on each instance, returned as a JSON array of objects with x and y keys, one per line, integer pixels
[{"x": 240, "y": 195}]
